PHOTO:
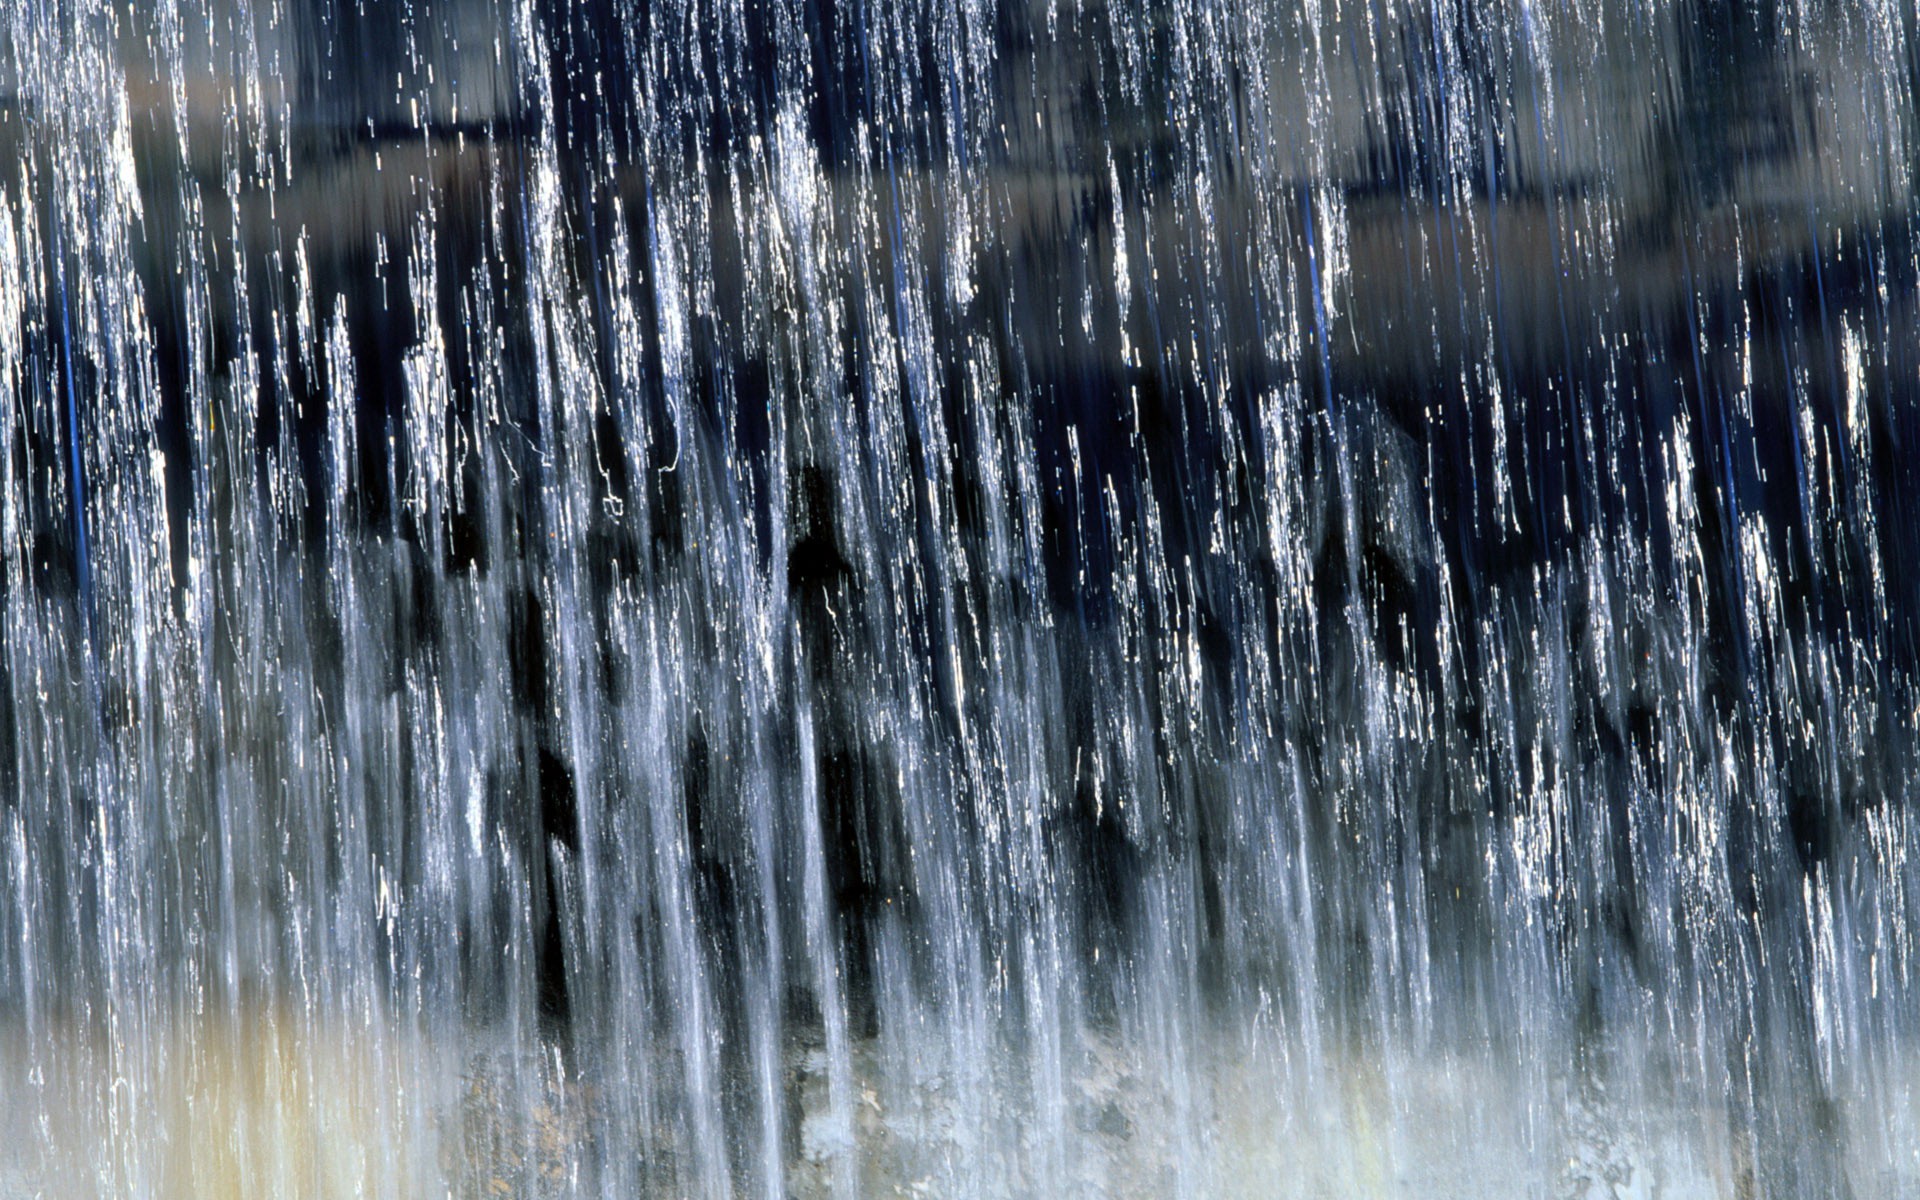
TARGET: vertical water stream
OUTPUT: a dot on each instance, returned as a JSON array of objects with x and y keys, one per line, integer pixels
[{"x": 966, "y": 598}]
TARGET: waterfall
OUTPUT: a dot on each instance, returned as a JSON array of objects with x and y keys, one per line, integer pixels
[{"x": 959, "y": 598}]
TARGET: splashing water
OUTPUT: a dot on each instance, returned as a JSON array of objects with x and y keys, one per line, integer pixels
[{"x": 1106, "y": 598}]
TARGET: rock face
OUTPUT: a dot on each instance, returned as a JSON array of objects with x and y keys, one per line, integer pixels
[
  {"x": 263, "y": 1102},
  {"x": 1447, "y": 1126}
]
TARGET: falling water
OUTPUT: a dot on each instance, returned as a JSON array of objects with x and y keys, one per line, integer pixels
[{"x": 959, "y": 598}]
